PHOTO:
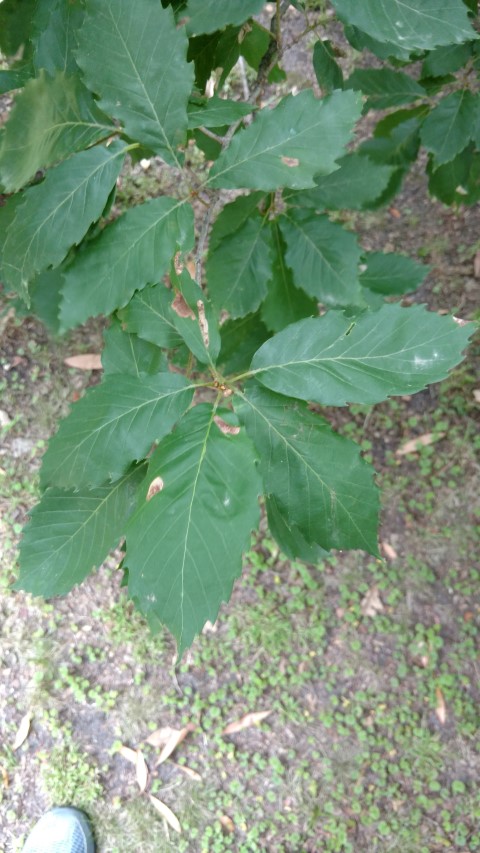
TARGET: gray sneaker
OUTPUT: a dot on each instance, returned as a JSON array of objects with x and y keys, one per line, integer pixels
[{"x": 61, "y": 830}]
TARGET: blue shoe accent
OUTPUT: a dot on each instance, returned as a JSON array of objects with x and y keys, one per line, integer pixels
[{"x": 61, "y": 830}]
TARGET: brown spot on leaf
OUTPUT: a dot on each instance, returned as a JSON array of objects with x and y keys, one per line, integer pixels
[
  {"x": 290, "y": 161},
  {"x": 155, "y": 486},
  {"x": 203, "y": 323},
  {"x": 227, "y": 429},
  {"x": 181, "y": 308},
  {"x": 178, "y": 263}
]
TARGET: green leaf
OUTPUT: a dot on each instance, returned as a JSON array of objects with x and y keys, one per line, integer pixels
[
  {"x": 327, "y": 71},
  {"x": 384, "y": 87},
  {"x": 391, "y": 274},
  {"x": 334, "y": 361},
  {"x": 240, "y": 341},
  {"x": 112, "y": 426},
  {"x": 45, "y": 297},
  {"x": 149, "y": 316},
  {"x": 323, "y": 257},
  {"x": 216, "y": 111},
  {"x": 399, "y": 147},
  {"x": 201, "y": 520},
  {"x": 384, "y": 50},
  {"x": 450, "y": 126},
  {"x": 55, "y": 27},
  {"x": 255, "y": 45},
  {"x": 57, "y": 213},
  {"x": 14, "y": 78},
  {"x": 52, "y": 118},
  {"x": 239, "y": 268},
  {"x": 216, "y": 50},
  {"x": 128, "y": 354},
  {"x": 194, "y": 318},
  {"x": 288, "y": 536},
  {"x": 449, "y": 182},
  {"x": 71, "y": 533},
  {"x": 319, "y": 480},
  {"x": 205, "y": 16},
  {"x": 444, "y": 60},
  {"x": 422, "y": 25},
  {"x": 280, "y": 147},
  {"x": 233, "y": 216},
  {"x": 131, "y": 252},
  {"x": 284, "y": 303},
  {"x": 15, "y": 24},
  {"x": 134, "y": 56},
  {"x": 358, "y": 182}
]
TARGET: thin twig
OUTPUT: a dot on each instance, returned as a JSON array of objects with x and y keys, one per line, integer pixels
[
  {"x": 212, "y": 135},
  {"x": 243, "y": 76},
  {"x": 201, "y": 241}
]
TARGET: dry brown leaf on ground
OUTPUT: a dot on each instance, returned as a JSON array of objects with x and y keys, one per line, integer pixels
[
  {"x": 23, "y": 731},
  {"x": 372, "y": 603},
  {"x": 87, "y": 361},
  {"x": 228, "y": 825},
  {"x": 141, "y": 771},
  {"x": 173, "y": 741},
  {"x": 476, "y": 265},
  {"x": 414, "y": 444},
  {"x": 128, "y": 754},
  {"x": 5, "y": 777},
  {"x": 160, "y": 737},
  {"x": 476, "y": 395},
  {"x": 166, "y": 813},
  {"x": 245, "y": 722},
  {"x": 441, "y": 709},
  {"x": 192, "y": 774},
  {"x": 389, "y": 551}
]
